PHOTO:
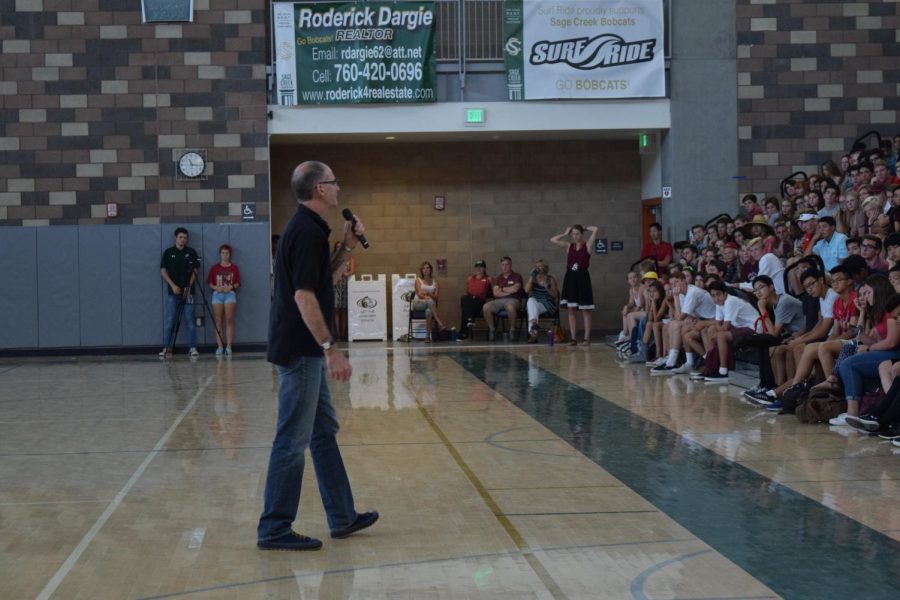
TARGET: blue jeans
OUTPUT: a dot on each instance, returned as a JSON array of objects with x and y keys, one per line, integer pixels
[
  {"x": 306, "y": 418},
  {"x": 172, "y": 304},
  {"x": 858, "y": 367}
]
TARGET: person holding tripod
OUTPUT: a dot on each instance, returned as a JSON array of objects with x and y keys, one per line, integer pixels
[
  {"x": 304, "y": 352},
  {"x": 178, "y": 268}
]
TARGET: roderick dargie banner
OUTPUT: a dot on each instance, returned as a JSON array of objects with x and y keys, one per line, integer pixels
[
  {"x": 584, "y": 49},
  {"x": 354, "y": 52}
]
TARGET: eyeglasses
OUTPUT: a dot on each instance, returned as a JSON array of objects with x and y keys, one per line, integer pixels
[
  {"x": 870, "y": 246},
  {"x": 336, "y": 182}
]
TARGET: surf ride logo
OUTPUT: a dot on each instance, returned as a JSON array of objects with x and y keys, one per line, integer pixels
[{"x": 605, "y": 50}]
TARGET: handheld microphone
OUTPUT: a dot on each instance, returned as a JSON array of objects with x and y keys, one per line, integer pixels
[{"x": 348, "y": 216}]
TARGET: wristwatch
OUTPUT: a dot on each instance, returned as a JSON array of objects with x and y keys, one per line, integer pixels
[{"x": 327, "y": 344}]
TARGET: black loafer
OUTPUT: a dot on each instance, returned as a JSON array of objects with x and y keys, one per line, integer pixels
[{"x": 362, "y": 521}]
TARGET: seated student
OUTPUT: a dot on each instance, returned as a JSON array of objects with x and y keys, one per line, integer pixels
[
  {"x": 735, "y": 319},
  {"x": 828, "y": 244},
  {"x": 813, "y": 282},
  {"x": 857, "y": 268},
  {"x": 478, "y": 290},
  {"x": 853, "y": 246},
  {"x": 894, "y": 278},
  {"x": 657, "y": 311},
  {"x": 543, "y": 297},
  {"x": 884, "y": 417},
  {"x": 779, "y": 316},
  {"x": 845, "y": 315},
  {"x": 691, "y": 305},
  {"x": 871, "y": 251},
  {"x": 633, "y": 311},
  {"x": 881, "y": 342},
  {"x": 767, "y": 264},
  {"x": 892, "y": 249}
]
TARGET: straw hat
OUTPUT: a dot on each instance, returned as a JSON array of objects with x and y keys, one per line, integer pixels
[{"x": 758, "y": 221}]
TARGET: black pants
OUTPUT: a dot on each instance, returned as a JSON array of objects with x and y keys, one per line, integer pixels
[
  {"x": 888, "y": 410},
  {"x": 470, "y": 308},
  {"x": 762, "y": 342}
]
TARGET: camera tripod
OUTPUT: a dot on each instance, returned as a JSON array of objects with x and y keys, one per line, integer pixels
[{"x": 180, "y": 312}]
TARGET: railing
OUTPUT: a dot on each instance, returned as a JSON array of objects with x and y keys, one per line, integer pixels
[{"x": 482, "y": 36}]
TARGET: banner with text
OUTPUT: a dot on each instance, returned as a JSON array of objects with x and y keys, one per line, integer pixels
[
  {"x": 584, "y": 49},
  {"x": 351, "y": 53}
]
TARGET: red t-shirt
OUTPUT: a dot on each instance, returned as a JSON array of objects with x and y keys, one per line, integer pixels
[
  {"x": 480, "y": 288},
  {"x": 844, "y": 311},
  {"x": 219, "y": 275},
  {"x": 659, "y": 251}
]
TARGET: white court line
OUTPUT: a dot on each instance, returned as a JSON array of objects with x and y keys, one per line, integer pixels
[{"x": 57, "y": 579}]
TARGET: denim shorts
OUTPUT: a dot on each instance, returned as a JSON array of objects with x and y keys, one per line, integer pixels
[{"x": 224, "y": 298}]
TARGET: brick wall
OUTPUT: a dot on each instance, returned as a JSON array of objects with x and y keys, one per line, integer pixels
[
  {"x": 812, "y": 77},
  {"x": 502, "y": 198},
  {"x": 96, "y": 107}
]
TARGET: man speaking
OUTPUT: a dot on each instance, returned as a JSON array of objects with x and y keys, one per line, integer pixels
[{"x": 301, "y": 347}]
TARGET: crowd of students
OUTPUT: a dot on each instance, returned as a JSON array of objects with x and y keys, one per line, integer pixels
[{"x": 809, "y": 283}]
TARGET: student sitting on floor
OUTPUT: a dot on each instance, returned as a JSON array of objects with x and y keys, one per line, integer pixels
[{"x": 735, "y": 319}]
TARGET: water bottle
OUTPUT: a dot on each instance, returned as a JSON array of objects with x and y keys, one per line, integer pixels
[{"x": 550, "y": 337}]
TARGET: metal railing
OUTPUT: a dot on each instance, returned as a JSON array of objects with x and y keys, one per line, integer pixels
[{"x": 473, "y": 26}]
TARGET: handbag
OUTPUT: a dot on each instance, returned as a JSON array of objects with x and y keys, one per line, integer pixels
[{"x": 559, "y": 335}]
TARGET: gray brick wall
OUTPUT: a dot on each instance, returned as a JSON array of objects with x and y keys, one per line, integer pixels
[
  {"x": 812, "y": 77},
  {"x": 95, "y": 107}
]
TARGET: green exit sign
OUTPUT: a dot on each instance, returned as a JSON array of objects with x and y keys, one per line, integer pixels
[{"x": 474, "y": 117}]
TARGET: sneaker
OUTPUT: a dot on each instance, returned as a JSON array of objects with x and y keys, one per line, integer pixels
[
  {"x": 684, "y": 369},
  {"x": 890, "y": 433},
  {"x": 228, "y": 350},
  {"x": 867, "y": 422},
  {"x": 663, "y": 370},
  {"x": 760, "y": 398},
  {"x": 165, "y": 352},
  {"x": 193, "y": 352},
  {"x": 753, "y": 390},
  {"x": 290, "y": 541},
  {"x": 638, "y": 357},
  {"x": 220, "y": 351},
  {"x": 491, "y": 335},
  {"x": 362, "y": 521},
  {"x": 659, "y": 362},
  {"x": 775, "y": 406},
  {"x": 896, "y": 442},
  {"x": 697, "y": 376},
  {"x": 839, "y": 421},
  {"x": 717, "y": 378}
]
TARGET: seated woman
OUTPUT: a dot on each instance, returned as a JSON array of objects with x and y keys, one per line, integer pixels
[
  {"x": 427, "y": 298},
  {"x": 543, "y": 296},
  {"x": 657, "y": 310},
  {"x": 633, "y": 310},
  {"x": 881, "y": 344}
]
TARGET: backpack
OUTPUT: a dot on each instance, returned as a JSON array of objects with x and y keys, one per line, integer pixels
[
  {"x": 820, "y": 406},
  {"x": 794, "y": 396}
]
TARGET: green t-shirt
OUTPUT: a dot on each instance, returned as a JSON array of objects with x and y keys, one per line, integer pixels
[{"x": 180, "y": 264}]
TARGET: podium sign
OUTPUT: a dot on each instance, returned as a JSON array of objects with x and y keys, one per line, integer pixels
[{"x": 367, "y": 308}]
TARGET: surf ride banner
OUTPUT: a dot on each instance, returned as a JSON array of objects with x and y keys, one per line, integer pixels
[
  {"x": 584, "y": 49},
  {"x": 351, "y": 53}
]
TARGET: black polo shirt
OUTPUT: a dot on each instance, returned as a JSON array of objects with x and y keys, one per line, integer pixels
[
  {"x": 179, "y": 264},
  {"x": 301, "y": 263}
]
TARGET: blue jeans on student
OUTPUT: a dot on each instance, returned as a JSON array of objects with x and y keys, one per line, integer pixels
[
  {"x": 306, "y": 418},
  {"x": 859, "y": 367},
  {"x": 172, "y": 304}
]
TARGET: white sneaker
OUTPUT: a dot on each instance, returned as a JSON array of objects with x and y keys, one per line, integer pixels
[
  {"x": 194, "y": 353},
  {"x": 659, "y": 362},
  {"x": 684, "y": 369},
  {"x": 839, "y": 421}
]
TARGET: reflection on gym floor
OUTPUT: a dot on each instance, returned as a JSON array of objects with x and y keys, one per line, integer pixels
[{"x": 503, "y": 472}]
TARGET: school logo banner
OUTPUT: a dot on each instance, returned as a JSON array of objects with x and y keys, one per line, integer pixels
[
  {"x": 584, "y": 49},
  {"x": 354, "y": 53}
]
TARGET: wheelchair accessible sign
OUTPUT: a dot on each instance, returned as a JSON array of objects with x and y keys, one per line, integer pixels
[{"x": 601, "y": 246}]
